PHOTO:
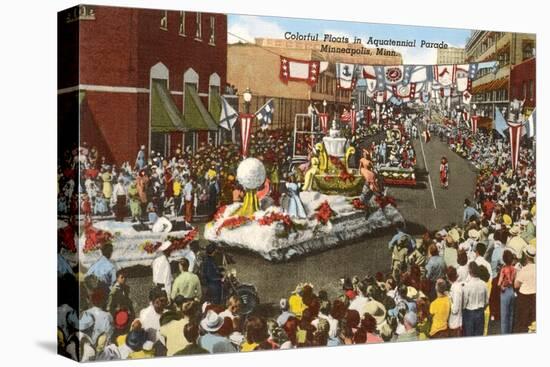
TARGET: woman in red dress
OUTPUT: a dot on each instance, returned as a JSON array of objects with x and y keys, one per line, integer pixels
[{"x": 444, "y": 173}]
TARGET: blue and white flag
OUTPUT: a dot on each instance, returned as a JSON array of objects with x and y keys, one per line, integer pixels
[
  {"x": 228, "y": 115},
  {"x": 529, "y": 127},
  {"x": 500, "y": 122},
  {"x": 265, "y": 114}
]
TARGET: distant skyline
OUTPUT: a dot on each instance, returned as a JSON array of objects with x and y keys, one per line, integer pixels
[{"x": 249, "y": 27}]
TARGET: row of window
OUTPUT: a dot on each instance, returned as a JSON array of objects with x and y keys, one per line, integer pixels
[
  {"x": 492, "y": 96},
  {"x": 527, "y": 90},
  {"x": 198, "y": 26},
  {"x": 327, "y": 85}
]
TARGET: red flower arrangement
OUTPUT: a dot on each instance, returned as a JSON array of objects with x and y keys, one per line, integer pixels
[
  {"x": 218, "y": 214},
  {"x": 276, "y": 217},
  {"x": 233, "y": 222},
  {"x": 346, "y": 176},
  {"x": 324, "y": 212},
  {"x": 95, "y": 238},
  {"x": 384, "y": 201},
  {"x": 66, "y": 237},
  {"x": 177, "y": 243},
  {"x": 358, "y": 204}
]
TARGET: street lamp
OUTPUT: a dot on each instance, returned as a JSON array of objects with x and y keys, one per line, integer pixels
[
  {"x": 324, "y": 105},
  {"x": 247, "y": 96}
]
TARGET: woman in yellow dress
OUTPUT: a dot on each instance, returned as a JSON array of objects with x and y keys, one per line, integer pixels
[{"x": 107, "y": 177}]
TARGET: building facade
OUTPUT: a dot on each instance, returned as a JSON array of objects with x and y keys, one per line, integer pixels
[
  {"x": 451, "y": 55},
  {"x": 256, "y": 66},
  {"x": 492, "y": 90},
  {"x": 144, "y": 77},
  {"x": 523, "y": 84}
]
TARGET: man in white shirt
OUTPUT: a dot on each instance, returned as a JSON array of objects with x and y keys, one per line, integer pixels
[
  {"x": 526, "y": 287},
  {"x": 162, "y": 273},
  {"x": 475, "y": 299},
  {"x": 480, "y": 259},
  {"x": 455, "y": 295},
  {"x": 150, "y": 316}
]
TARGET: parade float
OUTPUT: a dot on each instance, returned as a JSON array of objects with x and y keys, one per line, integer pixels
[
  {"x": 279, "y": 233},
  {"x": 396, "y": 175},
  {"x": 132, "y": 244}
]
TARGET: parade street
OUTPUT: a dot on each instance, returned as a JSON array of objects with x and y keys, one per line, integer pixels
[{"x": 366, "y": 256}]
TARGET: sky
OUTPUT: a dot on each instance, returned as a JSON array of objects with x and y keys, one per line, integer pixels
[{"x": 248, "y": 27}]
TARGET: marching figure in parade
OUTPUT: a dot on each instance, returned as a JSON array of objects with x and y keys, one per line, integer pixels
[{"x": 444, "y": 173}]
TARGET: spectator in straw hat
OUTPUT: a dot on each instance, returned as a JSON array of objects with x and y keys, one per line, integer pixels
[
  {"x": 526, "y": 288},
  {"x": 515, "y": 242},
  {"x": 212, "y": 341}
]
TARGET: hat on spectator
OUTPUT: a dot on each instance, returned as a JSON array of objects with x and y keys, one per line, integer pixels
[
  {"x": 473, "y": 234},
  {"x": 121, "y": 319},
  {"x": 212, "y": 322},
  {"x": 135, "y": 339},
  {"x": 530, "y": 251},
  {"x": 507, "y": 220},
  {"x": 376, "y": 310},
  {"x": 514, "y": 231}
]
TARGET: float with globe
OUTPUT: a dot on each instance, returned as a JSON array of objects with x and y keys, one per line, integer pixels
[{"x": 280, "y": 232}]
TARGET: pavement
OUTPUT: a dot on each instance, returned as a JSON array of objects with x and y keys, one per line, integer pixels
[{"x": 424, "y": 207}]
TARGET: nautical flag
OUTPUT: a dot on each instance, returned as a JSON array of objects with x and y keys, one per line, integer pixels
[
  {"x": 228, "y": 115},
  {"x": 370, "y": 78},
  {"x": 474, "y": 120},
  {"x": 345, "y": 76},
  {"x": 445, "y": 75},
  {"x": 265, "y": 114},
  {"x": 529, "y": 127},
  {"x": 246, "y": 123},
  {"x": 300, "y": 70},
  {"x": 500, "y": 122},
  {"x": 463, "y": 81},
  {"x": 514, "y": 129},
  {"x": 405, "y": 92},
  {"x": 323, "y": 119}
]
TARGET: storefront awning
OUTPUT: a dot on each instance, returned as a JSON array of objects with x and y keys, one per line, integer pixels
[
  {"x": 196, "y": 116},
  {"x": 490, "y": 86},
  {"x": 215, "y": 105},
  {"x": 165, "y": 116}
]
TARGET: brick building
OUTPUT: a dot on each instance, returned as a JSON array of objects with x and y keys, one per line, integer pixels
[
  {"x": 523, "y": 86},
  {"x": 131, "y": 77}
]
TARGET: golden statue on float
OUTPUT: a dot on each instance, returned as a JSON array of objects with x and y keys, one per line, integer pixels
[{"x": 330, "y": 171}]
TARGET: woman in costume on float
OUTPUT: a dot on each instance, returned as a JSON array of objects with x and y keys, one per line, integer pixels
[
  {"x": 295, "y": 206},
  {"x": 366, "y": 170}
]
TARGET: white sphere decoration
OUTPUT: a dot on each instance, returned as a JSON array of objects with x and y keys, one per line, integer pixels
[{"x": 251, "y": 173}]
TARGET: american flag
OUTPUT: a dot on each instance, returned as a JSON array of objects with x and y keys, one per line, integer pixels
[{"x": 345, "y": 116}]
